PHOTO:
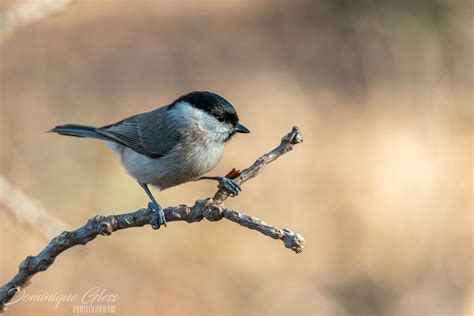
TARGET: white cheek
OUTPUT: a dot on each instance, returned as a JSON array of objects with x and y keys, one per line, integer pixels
[
  {"x": 221, "y": 131},
  {"x": 188, "y": 117}
]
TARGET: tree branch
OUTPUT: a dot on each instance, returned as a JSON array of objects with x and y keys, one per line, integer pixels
[
  {"x": 28, "y": 12},
  {"x": 211, "y": 208},
  {"x": 28, "y": 211}
]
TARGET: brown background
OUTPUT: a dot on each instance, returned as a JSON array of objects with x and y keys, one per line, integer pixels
[{"x": 381, "y": 188}]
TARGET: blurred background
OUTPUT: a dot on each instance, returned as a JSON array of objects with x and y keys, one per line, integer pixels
[{"x": 381, "y": 188}]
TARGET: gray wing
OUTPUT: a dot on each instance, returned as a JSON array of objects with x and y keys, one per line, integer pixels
[{"x": 150, "y": 134}]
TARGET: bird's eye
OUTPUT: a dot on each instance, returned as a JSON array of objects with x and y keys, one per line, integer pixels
[{"x": 220, "y": 119}]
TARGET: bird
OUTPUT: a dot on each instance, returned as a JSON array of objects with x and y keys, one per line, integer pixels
[{"x": 170, "y": 145}]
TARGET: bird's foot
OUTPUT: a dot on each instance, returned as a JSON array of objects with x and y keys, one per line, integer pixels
[
  {"x": 229, "y": 185},
  {"x": 157, "y": 215}
]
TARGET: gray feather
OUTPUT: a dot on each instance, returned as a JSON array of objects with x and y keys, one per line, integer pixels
[
  {"x": 151, "y": 134},
  {"x": 77, "y": 130}
]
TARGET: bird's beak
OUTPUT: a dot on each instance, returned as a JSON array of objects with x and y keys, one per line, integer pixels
[{"x": 241, "y": 129}]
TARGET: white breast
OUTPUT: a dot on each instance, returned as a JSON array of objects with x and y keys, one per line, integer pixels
[{"x": 176, "y": 168}]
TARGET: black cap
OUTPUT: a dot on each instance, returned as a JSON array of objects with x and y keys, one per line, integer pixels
[{"x": 211, "y": 103}]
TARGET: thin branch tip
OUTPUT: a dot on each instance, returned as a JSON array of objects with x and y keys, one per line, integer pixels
[
  {"x": 297, "y": 136},
  {"x": 293, "y": 241},
  {"x": 294, "y": 137}
]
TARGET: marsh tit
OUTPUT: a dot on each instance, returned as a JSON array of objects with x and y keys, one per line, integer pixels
[{"x": 170, "y": 145}]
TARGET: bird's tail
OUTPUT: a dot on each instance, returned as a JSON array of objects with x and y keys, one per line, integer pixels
[{"x": 77, "y": 131}]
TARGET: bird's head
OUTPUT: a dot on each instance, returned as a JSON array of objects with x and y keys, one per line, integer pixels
[{"x": 212, "y": 113}]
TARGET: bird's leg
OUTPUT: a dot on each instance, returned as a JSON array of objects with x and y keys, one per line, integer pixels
[
  {"x": 225, "y": 183},
  {"x": 157, "y": 216}
]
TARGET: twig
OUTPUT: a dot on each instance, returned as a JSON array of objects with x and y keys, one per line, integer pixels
[
  {"x": 28, "y": 12},
  {"x": 211, "y": 208},
  {"x": 28, "y": 211}
]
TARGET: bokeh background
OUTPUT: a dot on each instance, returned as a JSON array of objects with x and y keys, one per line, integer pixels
[{"x": 381, "y": 188}]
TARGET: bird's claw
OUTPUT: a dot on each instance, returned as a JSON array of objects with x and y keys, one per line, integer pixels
[
  {"x": 157, "y": 215},
  {"x": 229, "y": 185}
]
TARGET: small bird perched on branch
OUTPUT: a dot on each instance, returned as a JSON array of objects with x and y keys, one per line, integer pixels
[{"x": 171, "y": 145}]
